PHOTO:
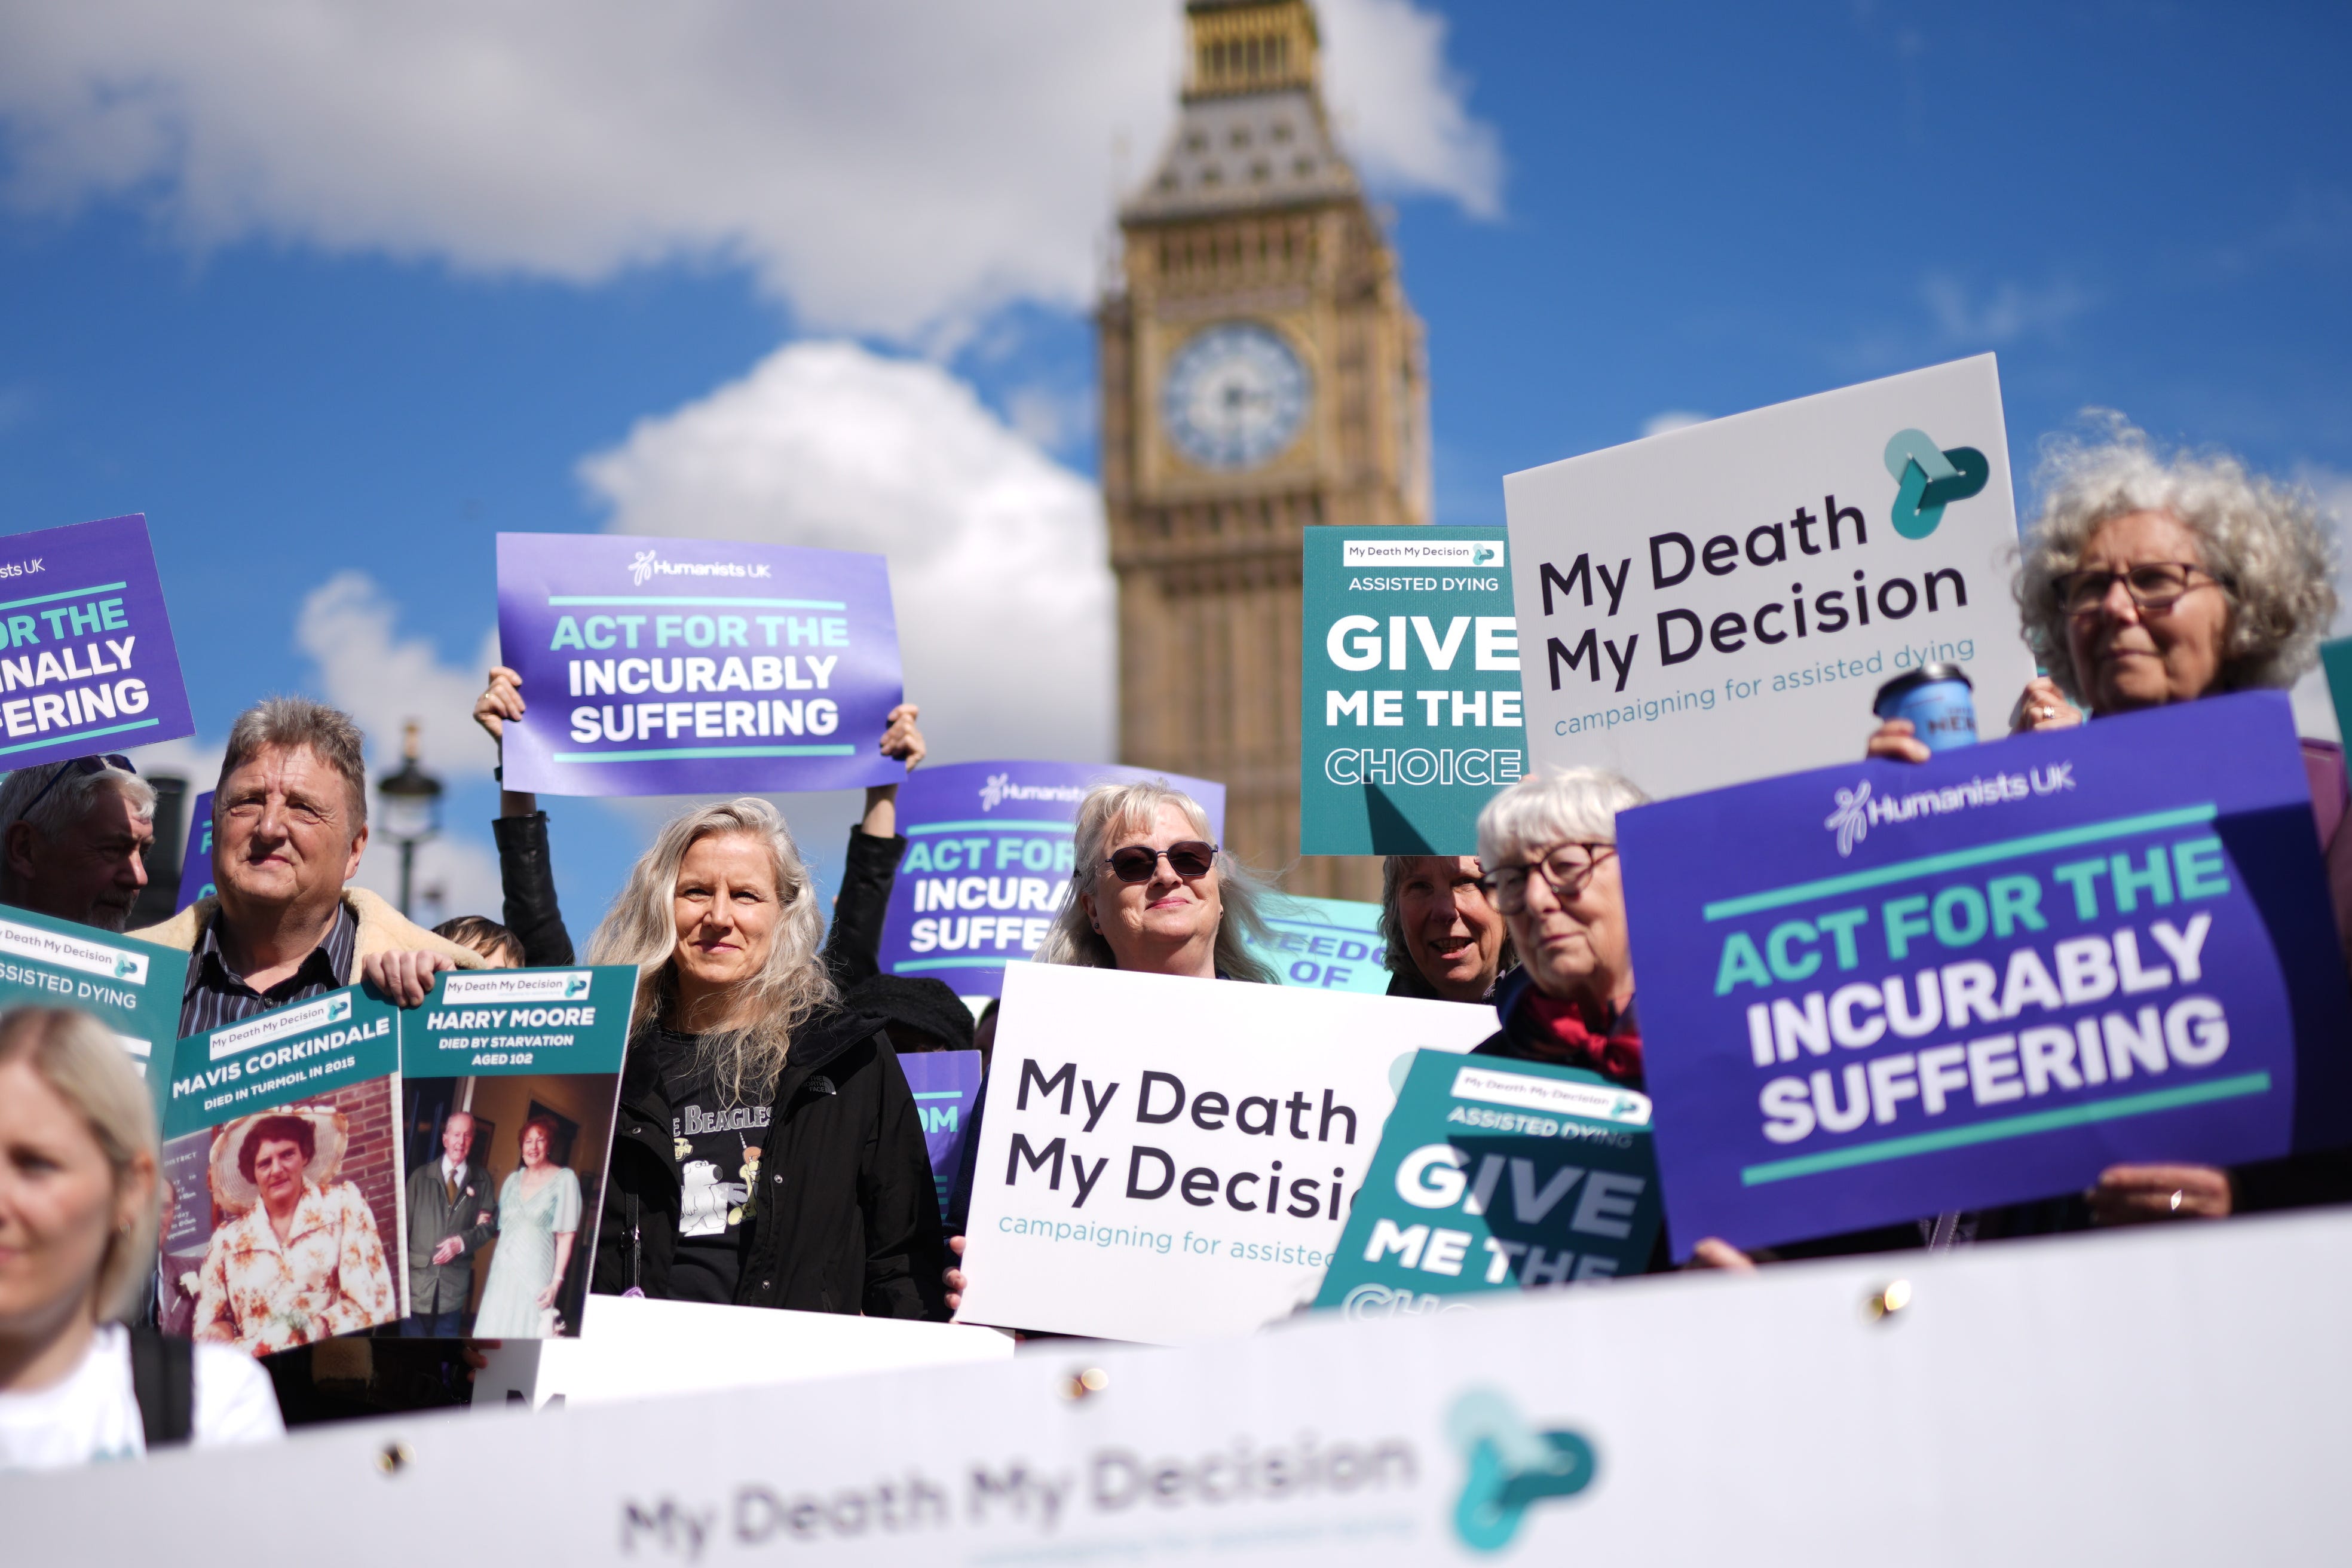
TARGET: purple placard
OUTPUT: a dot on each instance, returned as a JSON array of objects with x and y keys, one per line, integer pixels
[
  {"x": 693, "y": 666},
  {"x": 196, "y": 865},
  {"x": 946, "y": 1085},
  {"x": 87, "y": 660},
  {"x": 989, "y": 861},
  {"x": 1880, "y": 992}
]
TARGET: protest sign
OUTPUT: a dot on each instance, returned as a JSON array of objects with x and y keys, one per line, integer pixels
[
  {"x": 1877, "y": 992},
  {"x": 989, "y": 860},
  {"x": 1168, "y": 1159},
  {"x": 132, "y": 987},
  {"x": 2335, "y": 665},
  {"x": 1410, "y": 691},
  {"x": 1332, "y": 944},
  {"x": 1773, "y": 1420},
  {"x": 692, "y": 665},
  {"x": 945, "y": 1086},
  {"x": 296, "y": 1113},
  {"x": 1437, "y": 1217},
  {"x": 1722, "y": 603},
  {"x": 510, "y": 1053},
  {"x": 196, "y": 866},
  {"x": 84, "y": 637}
]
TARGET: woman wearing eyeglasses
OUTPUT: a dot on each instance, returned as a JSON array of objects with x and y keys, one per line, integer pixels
[
  {"x": 1550, "y": 846},
  {"x": 2149, "y": 580}
]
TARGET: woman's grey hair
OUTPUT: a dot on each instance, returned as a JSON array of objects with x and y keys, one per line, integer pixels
[
  {"x": 71, "y": 794},
  {"x": 1399, "y": 956},
  {"x": 1112, "y": 811},
  {"x": 296, "y": 723},
  {"x": 641, "y": 928},
  {"x": 83, "y": 1062},
  {"x": 2274, "y": 556},
  {"x": 1567, "y": 805}
]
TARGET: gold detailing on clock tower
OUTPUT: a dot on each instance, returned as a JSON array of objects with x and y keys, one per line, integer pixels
[{"x": 1261, "y": 372}]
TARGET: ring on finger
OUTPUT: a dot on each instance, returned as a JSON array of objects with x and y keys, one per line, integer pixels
[{"x": 2176, "y": 1200}]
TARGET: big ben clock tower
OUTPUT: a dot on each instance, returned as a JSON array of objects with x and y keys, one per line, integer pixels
[{"x": 1261, "y": 372}]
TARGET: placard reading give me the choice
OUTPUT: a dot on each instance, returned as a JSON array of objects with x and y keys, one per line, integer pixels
[
  {"x": 1722, "y": 603},
  {"x": 1166, "y": 1159}
]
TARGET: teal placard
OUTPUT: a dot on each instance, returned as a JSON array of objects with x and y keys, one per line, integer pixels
[
  {"x": 1326, "y": 945},
  {"x": 502, "y": 1022},
  {"x": 294, "y": 1053},
  {"x": 1494, "y": 1174},
  {"x": 2335, "y": 660},
  {"x": 132, "y": 987},
  {"x": 1409, "y": 690}
]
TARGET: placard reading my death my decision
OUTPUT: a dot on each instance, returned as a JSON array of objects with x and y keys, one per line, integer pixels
[
  {"x": 1896, "y": 991},
  {"x": 689, "y": 666},
  {"x": 1722, "y": 603},
  {"x": 1168, "y": 1159},
  {"x": 86, "y": 661}
]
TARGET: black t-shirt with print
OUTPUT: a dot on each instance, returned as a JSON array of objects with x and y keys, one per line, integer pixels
[{"x": 717, "y": 1148}]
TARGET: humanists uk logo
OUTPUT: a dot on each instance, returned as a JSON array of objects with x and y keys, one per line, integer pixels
[
  {"x": 1001, "y": 788},
  {"x": 1928, "y": 478},
  {"x": 1509, "y": 1468},
  {"x": 1858, "y": 810},
  {"x": 647, "y": 564}
]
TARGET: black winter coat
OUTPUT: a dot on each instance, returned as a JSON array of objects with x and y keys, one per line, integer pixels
[
  {"x": 847, "y": 1218},
  {"x": 531, "y": 912}
]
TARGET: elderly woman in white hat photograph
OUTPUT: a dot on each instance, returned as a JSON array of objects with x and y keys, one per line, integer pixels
[{"x": 303, "y": 1260}]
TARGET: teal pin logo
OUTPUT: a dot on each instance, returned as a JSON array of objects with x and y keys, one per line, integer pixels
[
  {"x": 338, "y": 1009},
  {"x": 1483, "y": 554},
  {"x": 1510, "y": 1468},
  {"x": 575, "y": 985},
  {"x": 1929, "y": 477}
]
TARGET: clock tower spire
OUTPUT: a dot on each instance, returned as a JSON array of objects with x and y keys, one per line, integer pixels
[{"x": 1261, "y": 372}]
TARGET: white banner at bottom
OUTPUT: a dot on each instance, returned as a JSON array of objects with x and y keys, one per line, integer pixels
[{"x": 2173, "y": 1395}]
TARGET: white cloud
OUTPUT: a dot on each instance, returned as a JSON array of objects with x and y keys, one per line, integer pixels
[
  {"x": 1672, "y": 419},
  {"x": 2003, "y": 314},
  {"x": 997, "y": 566},
  {"x": 886, "y": 167}
]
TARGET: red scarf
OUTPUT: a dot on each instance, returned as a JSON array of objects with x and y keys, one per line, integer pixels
[{"x": 1570, "y": 1034}]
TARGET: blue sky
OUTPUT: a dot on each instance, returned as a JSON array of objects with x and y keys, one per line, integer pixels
[{"x": 328, "y": 309}]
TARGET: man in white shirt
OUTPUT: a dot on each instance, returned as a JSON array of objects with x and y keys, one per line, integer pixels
[{"x": 452, "y": 1216}]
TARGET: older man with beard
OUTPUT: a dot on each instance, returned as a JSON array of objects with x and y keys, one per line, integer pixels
[{"x": 74, "y": 839}]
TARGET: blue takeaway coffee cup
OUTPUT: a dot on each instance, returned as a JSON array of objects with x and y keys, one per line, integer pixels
[{"x": 1939, "y": 702}]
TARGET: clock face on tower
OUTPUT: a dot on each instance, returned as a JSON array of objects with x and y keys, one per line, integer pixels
[{"x": 1234, "y": 396}]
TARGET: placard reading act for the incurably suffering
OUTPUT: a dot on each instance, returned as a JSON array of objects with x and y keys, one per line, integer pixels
[
  {"x": 1410, "y": 695},
  {"x": 86, "y": 661},
  {"x": 688, "y": 666},
  {"x": 1893, "y": 991},
  {"x": 1184, "y": 1176},
  {"x": 1722, "y": 603}
]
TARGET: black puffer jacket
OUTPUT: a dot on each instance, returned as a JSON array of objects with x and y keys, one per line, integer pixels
[{"x": 847, "y": 1218}]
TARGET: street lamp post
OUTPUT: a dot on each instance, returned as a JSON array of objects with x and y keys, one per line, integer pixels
[{"x": 410, "y": 799}]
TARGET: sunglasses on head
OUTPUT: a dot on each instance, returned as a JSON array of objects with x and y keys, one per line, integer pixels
[
  {"x": 1187, "y": 857},
  {"x": 114, "y": 760}
]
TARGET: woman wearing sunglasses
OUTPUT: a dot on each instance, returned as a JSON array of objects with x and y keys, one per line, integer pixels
[
  {"x": 2149, "y": 580},
  {"x": 1154, "y": 894}
]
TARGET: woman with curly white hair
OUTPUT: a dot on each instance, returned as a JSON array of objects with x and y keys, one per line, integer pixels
[
  {"x": 767, "y": 1153},
  {"x": 2151, "y": 578}
]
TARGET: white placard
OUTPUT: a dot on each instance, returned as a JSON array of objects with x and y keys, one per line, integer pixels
[
  {"x": 2173, "y": 1395},
  {"x": 632, "y": 1347},
  {"x": 1687, "y": 605},
  {"x": 1135, "y": 1126}
]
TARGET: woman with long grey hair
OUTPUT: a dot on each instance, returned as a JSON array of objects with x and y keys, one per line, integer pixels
[{"x": 768, "y": 1151}]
